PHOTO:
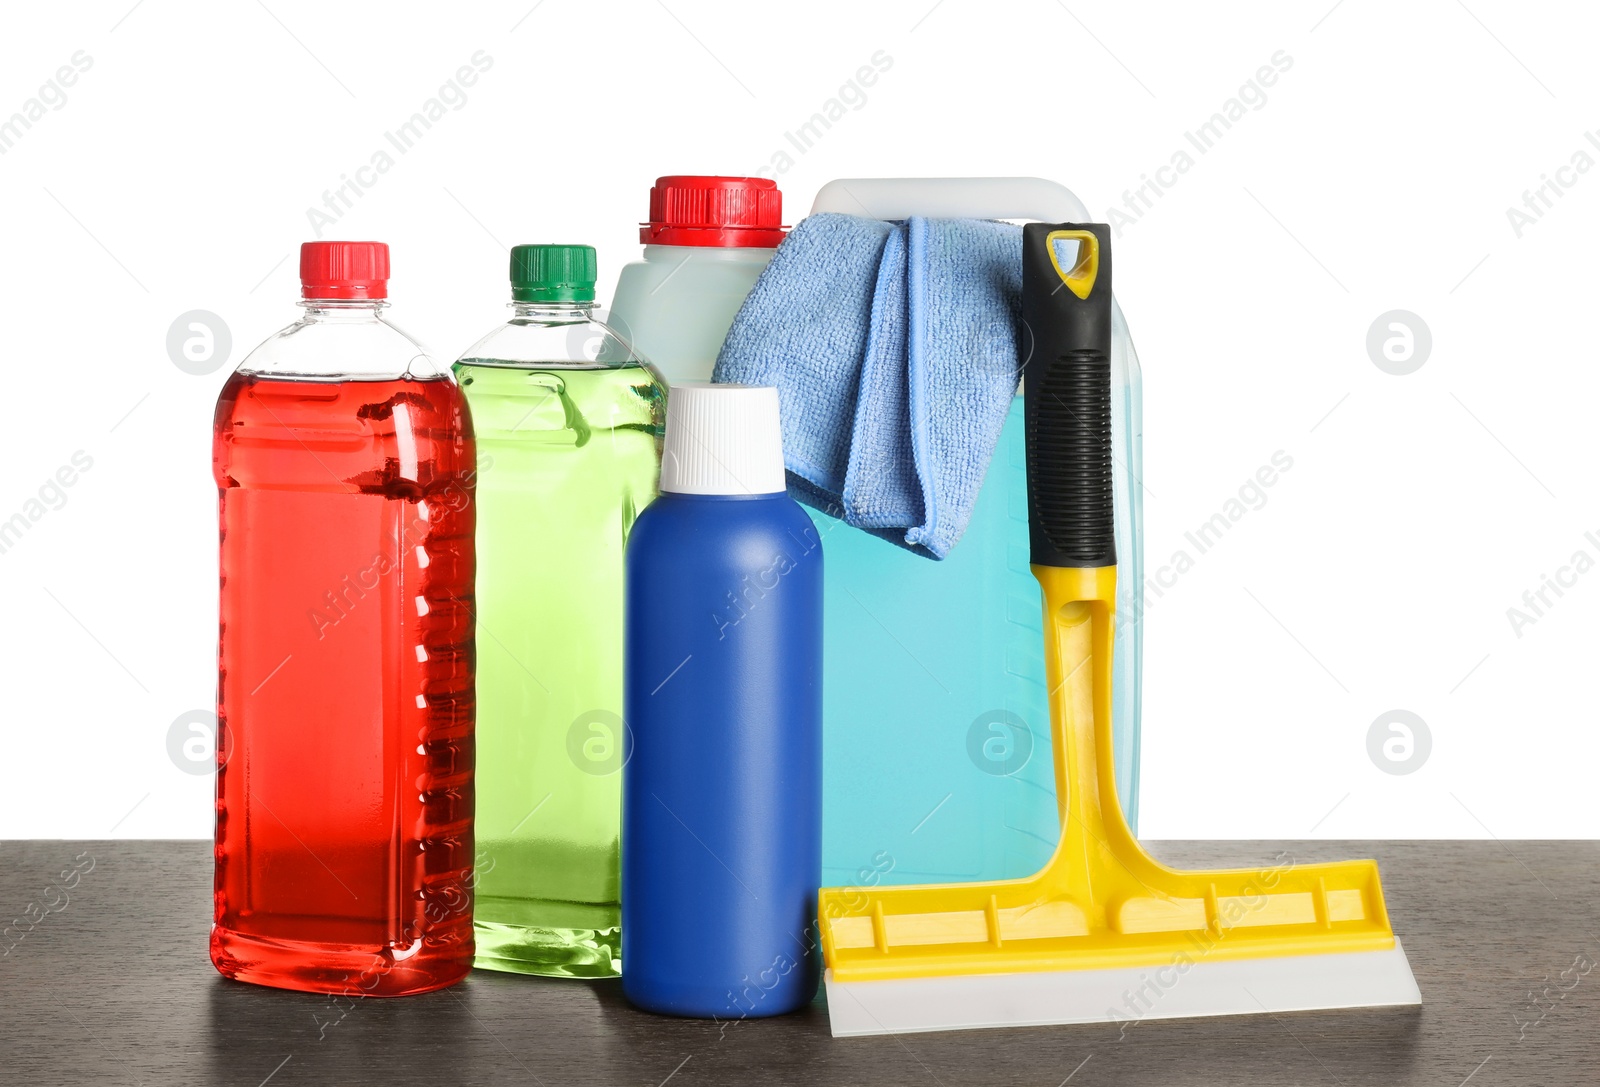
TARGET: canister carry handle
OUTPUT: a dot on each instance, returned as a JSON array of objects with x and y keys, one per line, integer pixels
[{"x": 1033, "y": 198}]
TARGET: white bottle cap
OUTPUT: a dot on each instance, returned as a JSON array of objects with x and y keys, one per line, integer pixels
[{"x": 722, "y": 439}]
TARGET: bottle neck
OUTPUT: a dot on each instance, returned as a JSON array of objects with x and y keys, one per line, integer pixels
[
  {"x": 677, "y": 254},
  {"x": 342, "y": 310},
  {"x": 553, "y": 312}
]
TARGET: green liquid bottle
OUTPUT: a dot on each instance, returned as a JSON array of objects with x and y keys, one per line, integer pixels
[{"x": 569, "y": 426}]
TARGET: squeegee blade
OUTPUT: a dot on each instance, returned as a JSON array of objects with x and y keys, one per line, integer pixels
[{"x": 1179, "y": 990}]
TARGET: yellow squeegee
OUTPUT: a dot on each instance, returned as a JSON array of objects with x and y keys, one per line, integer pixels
[{"x": 1103, "y": 932}]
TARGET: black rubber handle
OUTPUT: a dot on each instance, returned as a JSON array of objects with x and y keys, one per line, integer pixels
[{"x": 1066, "y": 375}]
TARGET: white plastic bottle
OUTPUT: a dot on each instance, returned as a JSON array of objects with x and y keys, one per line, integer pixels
[{"x": 705, "y": 245}]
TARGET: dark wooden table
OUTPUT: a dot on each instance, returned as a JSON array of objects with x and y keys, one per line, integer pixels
[{"x": 112, "y": 986}]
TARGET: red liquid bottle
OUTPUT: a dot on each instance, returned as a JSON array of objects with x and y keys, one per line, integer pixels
[{"x": 344, "y": 460}]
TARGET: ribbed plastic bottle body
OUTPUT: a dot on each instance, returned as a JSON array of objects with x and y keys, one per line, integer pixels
[
  {"x": 676, "y": 304},
  {"x": 722, "y": 792},
  {"x": 344, "y": 460},
  {"x": 568, "y": 428}
]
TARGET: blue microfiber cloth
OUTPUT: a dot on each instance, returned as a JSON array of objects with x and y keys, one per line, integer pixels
[{"x": 893, "y": 349}]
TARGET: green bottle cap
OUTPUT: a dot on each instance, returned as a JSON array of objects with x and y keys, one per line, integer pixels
[{"x": 552, "y": 273}]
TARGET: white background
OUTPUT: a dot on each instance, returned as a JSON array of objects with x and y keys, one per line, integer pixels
[{"x": 1375, "y": 177}]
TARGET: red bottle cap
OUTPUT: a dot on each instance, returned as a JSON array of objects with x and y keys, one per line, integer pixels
[
  {"x": 344, "y": 270},
  {"x": 688, "y": 209}
]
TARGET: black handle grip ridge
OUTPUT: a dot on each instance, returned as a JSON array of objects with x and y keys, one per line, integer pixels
[{"x": 1066, "y": 375}]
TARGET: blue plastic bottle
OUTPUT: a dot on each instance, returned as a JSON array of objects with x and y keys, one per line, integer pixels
[{"x": 722, "y": 790}]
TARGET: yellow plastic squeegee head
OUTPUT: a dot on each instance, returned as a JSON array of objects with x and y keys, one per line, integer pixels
[{"x": 1103, "y": 932}]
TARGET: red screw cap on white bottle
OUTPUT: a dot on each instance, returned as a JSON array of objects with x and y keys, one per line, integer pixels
[
  {"x": 708, "y": 210},
  {"x": 722, "y": 439}
]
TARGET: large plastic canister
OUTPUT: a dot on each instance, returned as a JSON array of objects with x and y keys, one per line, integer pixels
[{"x": 937, "y": 727}]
